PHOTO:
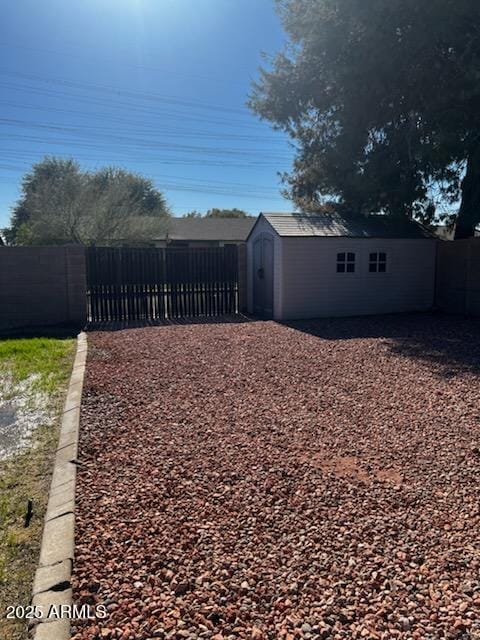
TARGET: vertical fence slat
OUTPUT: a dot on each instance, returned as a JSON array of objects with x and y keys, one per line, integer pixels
[{"x": 131, "y": 284}]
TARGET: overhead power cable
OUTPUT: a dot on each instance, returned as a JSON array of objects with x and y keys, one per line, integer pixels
[{"x": 126, "y": 93}]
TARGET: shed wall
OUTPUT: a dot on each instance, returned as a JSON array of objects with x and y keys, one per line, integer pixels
[{"x": 311, "y": 287}]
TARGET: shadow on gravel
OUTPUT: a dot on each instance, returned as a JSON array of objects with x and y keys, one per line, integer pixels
[
  {"x": 450, "y": 342},
  {"x": 140, "y": 324}
]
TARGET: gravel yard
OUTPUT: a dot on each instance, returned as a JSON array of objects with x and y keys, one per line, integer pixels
[{"x": 258, "y": 480}]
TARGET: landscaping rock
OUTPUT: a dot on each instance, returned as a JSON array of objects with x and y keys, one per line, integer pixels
[{"x": 269, "y": 481}]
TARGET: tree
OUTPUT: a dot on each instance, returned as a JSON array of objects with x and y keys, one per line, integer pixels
[
  {"x": 217, "y": 213},
  {"x": 52, "y": 177},
  {"x": 62, "y": 204},
  {"x": 226, "y": 213},
  {"x": 192, "y": 214},
  {"x": 382, "y": 102}
]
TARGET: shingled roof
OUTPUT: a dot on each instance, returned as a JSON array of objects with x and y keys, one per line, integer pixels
[
  {"x": 336, "y": 225},
  {"x": 205, "y": 229}
]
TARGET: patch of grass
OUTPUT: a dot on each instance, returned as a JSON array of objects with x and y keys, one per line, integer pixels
[
  {"x": 22, "y": 357},
  {"x": 27, "y": 474}
]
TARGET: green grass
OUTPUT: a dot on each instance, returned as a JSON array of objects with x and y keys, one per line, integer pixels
[
  {"x": 27, "y": 474},
  {"x": 23, "y": 357}
]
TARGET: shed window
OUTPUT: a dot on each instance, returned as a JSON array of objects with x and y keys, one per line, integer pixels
[
  {"x": 377, "y": 262},
  {"x": 345, "y": 262}
]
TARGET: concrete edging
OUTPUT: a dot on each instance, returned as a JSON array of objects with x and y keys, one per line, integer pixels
[{"x": 52, "y": 583}]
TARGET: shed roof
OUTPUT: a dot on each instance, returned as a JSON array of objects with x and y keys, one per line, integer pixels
[
  {"x": 204, "y": 229},
  {"x": 336, "y": 225}
]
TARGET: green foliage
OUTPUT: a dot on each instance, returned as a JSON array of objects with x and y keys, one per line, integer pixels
[
  {"x": 217, "y": 213},
  {"x": 61, "y": 204},
  {"x": 226, "y": 213},
  {"x": 382, "y": 102},
  {"x": 192, "y": 214}
]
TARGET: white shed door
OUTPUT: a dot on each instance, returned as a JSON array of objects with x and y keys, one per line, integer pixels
[{"x": 263, "y": 275}]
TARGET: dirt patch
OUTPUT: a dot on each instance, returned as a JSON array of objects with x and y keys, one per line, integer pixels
[
  {"x": 351, "y": 468},
  {"x": 390, "y": 475}
]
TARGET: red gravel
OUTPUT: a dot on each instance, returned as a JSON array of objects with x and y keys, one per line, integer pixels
[{"x": 259, "y": 481}]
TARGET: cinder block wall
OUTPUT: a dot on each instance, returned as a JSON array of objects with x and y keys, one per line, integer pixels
[
  {"x": 458, "y": 276},
  {"x": 41, "y": 286}
]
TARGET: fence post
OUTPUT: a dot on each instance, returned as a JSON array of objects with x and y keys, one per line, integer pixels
[
  {"x": 76, "y": 281},
  {"x": 242, "y": 278}
]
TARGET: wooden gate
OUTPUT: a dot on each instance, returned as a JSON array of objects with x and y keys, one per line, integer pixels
[{"x": 130, "y": 284}]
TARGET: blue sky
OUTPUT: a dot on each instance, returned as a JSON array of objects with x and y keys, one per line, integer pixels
[{"x": 155, "y": 86}]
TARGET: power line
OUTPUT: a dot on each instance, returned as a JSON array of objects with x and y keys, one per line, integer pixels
[
  {"x": 83, "y": 133},
  {"x": 129, "y": 106},
  {"x": 135, "y": 124},
  {"x": 126, "y": 93},
  {"x": 143, "y": 133},
  {"x": 135, "y": 104},
  {"x": 164, "y": 70},
  {"x": 188, "y": 180}
]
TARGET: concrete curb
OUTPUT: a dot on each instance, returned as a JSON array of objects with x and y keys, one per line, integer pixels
[{"x": 52, "y": 583}]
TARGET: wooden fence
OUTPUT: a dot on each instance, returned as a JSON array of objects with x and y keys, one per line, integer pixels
[
  {"x": 458, "y": 276},
  {"x": 125, "y": 284}
]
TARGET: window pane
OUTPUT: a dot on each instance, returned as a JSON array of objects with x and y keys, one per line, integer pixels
[
  {"x": 382, "y": 257},
  {"x": 340, "y": 257},
  {"x": 372, "y": 267},
  {"x": 373, "y": 257},
  {"x": 351, "y": 257},
  {"x": 340, "y": 268},
  {"x": 382, "y": 267},
  {"x": 350, "y": 267}
]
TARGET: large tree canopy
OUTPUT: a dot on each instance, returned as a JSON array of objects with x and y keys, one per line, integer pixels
[
  {"x": 61, "y": 204},
  {"x": 382, "y": 101}
]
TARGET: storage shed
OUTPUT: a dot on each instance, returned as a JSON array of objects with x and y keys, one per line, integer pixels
[{"x": 325, "y": 265}]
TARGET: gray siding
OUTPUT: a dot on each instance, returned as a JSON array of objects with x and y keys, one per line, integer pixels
[{"x": 311, "y": 287}]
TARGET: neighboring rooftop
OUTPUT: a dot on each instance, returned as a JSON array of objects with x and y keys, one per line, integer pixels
[
  {"x": 204, "y": 229},
  {"x": 336, "y": 225}
]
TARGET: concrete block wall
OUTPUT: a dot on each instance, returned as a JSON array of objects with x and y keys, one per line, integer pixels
[
  {"x": 458, "y": 276},
  {"x": 42, "y": 286}
]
